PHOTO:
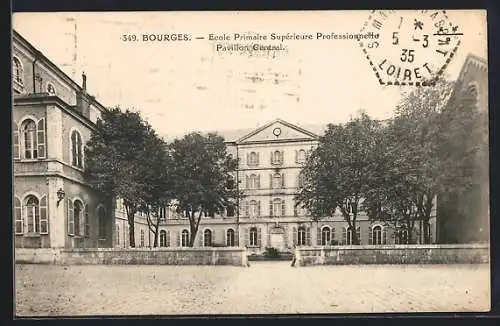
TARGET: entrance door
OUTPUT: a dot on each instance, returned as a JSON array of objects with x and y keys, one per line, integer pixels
[{"x": 278, "y": 241}]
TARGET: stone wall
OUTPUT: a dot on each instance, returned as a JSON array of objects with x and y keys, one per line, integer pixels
[
  {"x": 136, "y": 256},
  {"x": 393, "y": 254}
]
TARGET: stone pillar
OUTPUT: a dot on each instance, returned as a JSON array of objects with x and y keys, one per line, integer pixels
[{"x": 56, "y": 214}]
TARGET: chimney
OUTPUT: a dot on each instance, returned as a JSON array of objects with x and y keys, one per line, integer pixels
[
  {"x": 84, "y": 84},
  {"x": 83, "y": 99}
]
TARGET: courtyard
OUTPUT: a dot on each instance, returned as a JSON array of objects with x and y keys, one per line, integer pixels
[{"x": 263, "y": 288}]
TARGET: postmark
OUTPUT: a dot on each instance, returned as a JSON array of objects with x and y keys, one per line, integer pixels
[{"x": 414, "y": 47}]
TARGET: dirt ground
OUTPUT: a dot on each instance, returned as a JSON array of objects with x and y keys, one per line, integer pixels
[{"x": 263, "y": 288}]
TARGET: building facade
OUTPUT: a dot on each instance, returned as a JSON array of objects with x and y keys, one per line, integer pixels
[
  {"x": 270, "y": 160},
  {"x": 52, "y": 119}
]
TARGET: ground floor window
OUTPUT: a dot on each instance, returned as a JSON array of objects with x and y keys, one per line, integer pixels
[
  {"x": 164, "y": 239},
  {"x": 230, "y": 238},
  {"x": 253, "y": 236},
  {"x": 32, "y": 216},
  {"x": 301, "y": 236},
  {"x": 142, "y": 238},
  {"x": 325, "y": 236},
  {"x": 378, "y": 235},
  {"x": 118, "y": 235},
  {"x": 348, "y": 236},
  {"x": 185, "y": 238},
  {"x": 101, "y": 215},
  {"x": 207, "y": 238},
  {"x": 401, "y": 236}
]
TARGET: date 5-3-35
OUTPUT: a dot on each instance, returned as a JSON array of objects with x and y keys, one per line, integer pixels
[{"x": 155, "y": 37}]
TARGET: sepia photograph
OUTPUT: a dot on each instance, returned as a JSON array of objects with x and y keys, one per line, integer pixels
[{"x": 250, "y": 162}]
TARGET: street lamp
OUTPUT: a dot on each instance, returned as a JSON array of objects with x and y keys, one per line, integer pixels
[{"x": 60, "y": 195}]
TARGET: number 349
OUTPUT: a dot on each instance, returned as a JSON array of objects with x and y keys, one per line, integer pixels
[{"x": 407, "y": 55}]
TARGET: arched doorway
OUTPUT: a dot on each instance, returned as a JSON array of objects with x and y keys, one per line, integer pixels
[{"x": 277, "y": 238}]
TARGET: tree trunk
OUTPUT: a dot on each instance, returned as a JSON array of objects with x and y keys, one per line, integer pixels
[
  {"x": 354, "y": 232},
  {"x": 131, "y": 233},
  {"x": 194, "y": 224},
  {"x": 131, "y": 225},
  {"x": 426, "y": 231},
  {"x": 157, "y": 226}
]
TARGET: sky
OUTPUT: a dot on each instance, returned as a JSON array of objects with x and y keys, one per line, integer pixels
[{"x": 189, "y": 86}]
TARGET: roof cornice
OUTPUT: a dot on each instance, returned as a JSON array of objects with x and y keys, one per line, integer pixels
[{"x": 45, "y": 99}]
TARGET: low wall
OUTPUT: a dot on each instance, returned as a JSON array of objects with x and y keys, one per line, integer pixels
[
  {"x": 393, "y": 254},
  {"x": 134, "y": 256}
]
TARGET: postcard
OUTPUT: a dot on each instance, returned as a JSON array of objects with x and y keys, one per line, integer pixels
[{"x": 242, "y": 163}]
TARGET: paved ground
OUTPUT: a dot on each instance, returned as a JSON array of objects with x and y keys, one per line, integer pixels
[{"x": 265, "y": 287}]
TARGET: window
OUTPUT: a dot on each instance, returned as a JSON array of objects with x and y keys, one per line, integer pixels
[
  {"x": 78, "y": 218},
  {"x": 277, "y": 207},
  {"x": 77, "y": 215},
  {"x": 401, "y": 237},
  {"x": 51, "y": 89},
  {"x": 18, "y": 217},
  {"x": 347, "y": 235},
  {"x": 207, "y": 238},
  {"x": 230, "y": 238},
  {"x": 118, "y": 235},
  {"x": 17, "y": 71},
  {"x": 32, "y": 138},
  {"x": 230, "y": 210},
  {"x": 15, "y": 140},
  {"x": 35, "y": 215},
  {"x": 325, "y": 236},
  {"x": 253, "y": 237},
  {"x": 278, "y": 181},
  {"x": 301, "y": 236},
  {"x": 29, "y": 137},
  {"x": 301, "y": 156},
  {"x": 185, "y": 238},
  {"x": 472, "y": 91},
  {"x": 162, "y": 213},
  {"x": 300, "y": 180},
  {"x": 164, "y": 239},
  {"x": 253, "y": 182},
  {"x": 277, "y": 157},
  {"x": 101, "y": 215},
  {"x": 76, "y": 149},
  {"x": 32, "y": 214},
  {"x": 253, "y": 159},
  {"x": 254, "y": 208},
  {"x": 377, "y": 235},
  {"x": 142, "y": 238}
]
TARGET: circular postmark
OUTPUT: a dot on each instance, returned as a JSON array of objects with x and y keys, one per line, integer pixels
[{"x": 413, "y": 47}]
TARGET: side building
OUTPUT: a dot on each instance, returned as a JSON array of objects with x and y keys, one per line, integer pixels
[
  {"x": 52, "y": 119},
  {"x": 465, "y": 216}
]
